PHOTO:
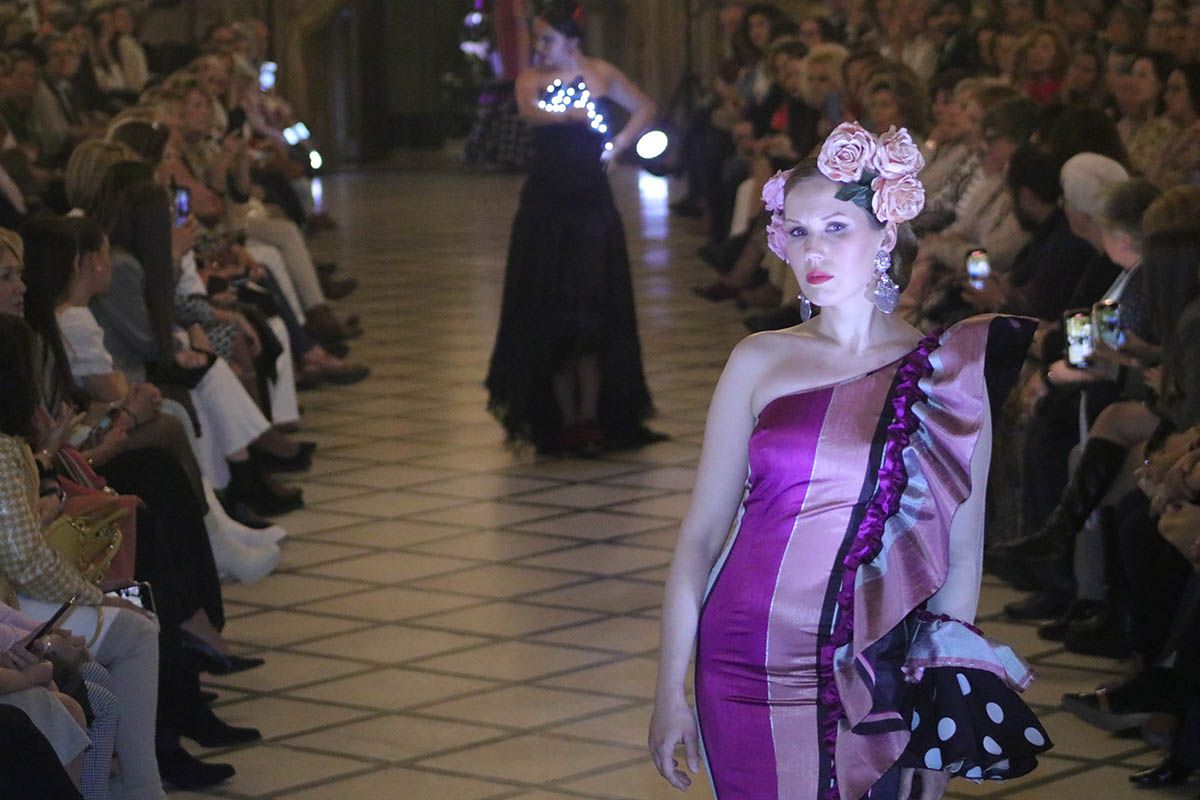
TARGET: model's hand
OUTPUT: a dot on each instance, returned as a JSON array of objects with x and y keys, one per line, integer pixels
[
  {"x": 933, "y": 784},
  {"x": 672, "y": 724}
]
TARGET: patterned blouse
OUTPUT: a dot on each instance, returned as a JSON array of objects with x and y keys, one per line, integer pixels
[
  {"x": 27, "y": 564},
  {"x": 1179, "y": 160},
  {"x": 1146, "y": 143}
]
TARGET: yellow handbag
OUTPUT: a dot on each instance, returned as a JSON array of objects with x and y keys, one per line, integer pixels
[{"x": 88, "y": 540}]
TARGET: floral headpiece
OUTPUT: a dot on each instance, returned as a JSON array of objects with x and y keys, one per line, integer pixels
[{"x": 879, "y": 175}]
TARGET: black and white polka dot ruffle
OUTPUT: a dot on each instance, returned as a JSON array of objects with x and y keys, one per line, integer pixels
[{"x": 971, "y": 724}]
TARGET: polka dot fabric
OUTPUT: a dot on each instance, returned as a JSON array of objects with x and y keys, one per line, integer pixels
[{"x": 971, "y": 724}]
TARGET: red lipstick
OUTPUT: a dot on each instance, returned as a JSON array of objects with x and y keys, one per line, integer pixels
[{"x": 816, "y": 277}]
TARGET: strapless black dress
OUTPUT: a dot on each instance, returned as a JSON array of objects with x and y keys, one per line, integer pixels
[{"x": 567, "y": 293}]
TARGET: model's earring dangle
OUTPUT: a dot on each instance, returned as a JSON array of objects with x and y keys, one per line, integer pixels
[
  {"x": 887, "y": 293},
  {"x": 805, "y": 307}
]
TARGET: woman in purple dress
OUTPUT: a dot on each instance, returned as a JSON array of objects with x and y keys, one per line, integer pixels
[{"x": 835, "y": 651}]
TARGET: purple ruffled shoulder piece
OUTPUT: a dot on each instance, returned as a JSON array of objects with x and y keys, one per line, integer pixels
[{"x": 924, "y": 475}]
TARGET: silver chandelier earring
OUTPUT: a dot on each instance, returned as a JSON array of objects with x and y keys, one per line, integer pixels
[
  {"x": 887, "y": 293},
  {"x": 805, "y": 307}
]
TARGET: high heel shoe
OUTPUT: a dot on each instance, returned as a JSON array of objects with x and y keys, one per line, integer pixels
[
  {"x": 207, "y": 730},
  {"x": 211, "y": 660},
  {"x": 300, "y": 461},
  {"x": 1168, "y": 773},
  {"x": 260, "y": 491},
  {"x": 182, "y": 770}
]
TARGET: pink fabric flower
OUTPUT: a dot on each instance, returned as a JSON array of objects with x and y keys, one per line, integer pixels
[
  {"x": 772, "y": 193},
  {"x": 896, "y": 155},
  {"x": 897, "y": 199},
  {"x": 848, "y": 151},
  {"x": 777, "y": 237}
]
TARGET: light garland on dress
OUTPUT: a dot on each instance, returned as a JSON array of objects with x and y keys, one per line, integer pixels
[
  {"x": 878, "y": 174},
  {"x": 559, "y": 98}
]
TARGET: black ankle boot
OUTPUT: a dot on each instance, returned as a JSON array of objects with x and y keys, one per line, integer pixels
[
  {"x": 262, "y": 493},
  {"x": 1098, "y": 465}
]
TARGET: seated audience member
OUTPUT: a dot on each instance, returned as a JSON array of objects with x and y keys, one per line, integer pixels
[
  {"x": 1179, "y": 160},
  {"x": 1044, "y": 273}
]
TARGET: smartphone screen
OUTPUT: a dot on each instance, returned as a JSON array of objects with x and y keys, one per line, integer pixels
[
  {"x": 139, "y": 594},
  {"x": 978, "y": 268},
  {"x": 183, "y": 205},
  {"x": 1080, "y": 346},
  {"x": 266, "y": 76},
  {"x": 1106, "y": 317}
]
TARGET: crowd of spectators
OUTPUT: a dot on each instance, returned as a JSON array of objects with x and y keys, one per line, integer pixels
[
  {"x": 1062, "y": 149},
  {"x": 159, "y": 311}
]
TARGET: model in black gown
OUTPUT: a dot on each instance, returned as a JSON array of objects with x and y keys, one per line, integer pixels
[{"x": 566, "y": 370}]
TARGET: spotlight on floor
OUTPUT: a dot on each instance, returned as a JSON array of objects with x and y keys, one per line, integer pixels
[
  {"x": 652, "y": 144},
  {"x": 656, "y": 150}
]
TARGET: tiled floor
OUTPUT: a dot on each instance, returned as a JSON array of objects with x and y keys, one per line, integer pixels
[{"x": 456, "y": 621}]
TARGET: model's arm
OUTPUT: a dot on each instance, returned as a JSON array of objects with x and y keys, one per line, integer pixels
[
  {"x": 640, "y": 107},
  {"x": 959, "y": 595},
  {"x": 720, "y": 481}
]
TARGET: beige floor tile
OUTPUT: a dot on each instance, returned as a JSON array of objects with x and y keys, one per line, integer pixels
[
  {"x": 670, "y": 507},
  {"x": 276, "y": 628},
  {"x": 392, "y": 689},
  {"x": 392, "y": 567},
  {"x": 601, "y": 559},
  {"x": 391, "y": 604},
  {"x": 492, "y": 545},
  {"x": 513, "y": 661},
  {"x": 311, "y": 520},
  {"x": 284, "y": 670},
  {"x": 677, "y": 479},
  {"x": 389, "y": 644},
  {"x": 489, "y": 514},
  {"x": 390, "y": 476},
  {"x": 279, "y": 716},
  {"x": 272, "y": 768},
  {"x": 395, "y": 783},
  {"x": 531, "y": 759},
  {"x": 395, "y": 737},
  {"x": 485, "y": 486},
  {"x": 629, "y": 677},
  {"x": 285, "y": 589},
  {"x": 626, "y": 634},
  {"x": 636, "y": 782},
  {"x": 1110, "y": 783},
  {"x": 506, "y": 619},
  {"x": 388, "y": 534},
  {"x": 588, "y": 495},
  {"x": 522, "y": 706},
  {"x": 590, "y": 525},
  {"x": 613, "y": 595},
  {"x": 389, "y": 504},
  {"x": 497, "y": 580},
  {"x": 307, "y": 552},
  {"x": 626, "y": 727},
  {"x": 1073, "y": 737}
]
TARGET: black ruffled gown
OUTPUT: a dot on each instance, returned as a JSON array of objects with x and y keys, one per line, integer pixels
[{"x": 567, "y": 293}]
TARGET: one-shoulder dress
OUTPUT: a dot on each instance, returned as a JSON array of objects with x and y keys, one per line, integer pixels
[
  {"x": 567, "y": 293},
  {"x": 819, "y": 671}
]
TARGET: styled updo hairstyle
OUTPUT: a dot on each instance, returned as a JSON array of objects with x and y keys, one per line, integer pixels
[
  {"x": 905, "y": 250},
  {"x": 565, "y": 16}
]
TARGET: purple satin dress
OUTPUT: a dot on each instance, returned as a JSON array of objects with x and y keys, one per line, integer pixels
[{"x": 850, "y": 493}]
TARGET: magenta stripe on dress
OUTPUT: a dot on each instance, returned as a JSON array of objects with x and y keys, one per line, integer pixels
[{"x": 738, "y": 734}]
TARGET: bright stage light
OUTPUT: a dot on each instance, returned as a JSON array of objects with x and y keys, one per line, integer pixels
[{"x": 652, "y": 144}]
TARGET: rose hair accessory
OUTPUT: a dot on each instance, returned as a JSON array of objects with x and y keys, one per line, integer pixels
[{"x": 879, "y": 175}]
